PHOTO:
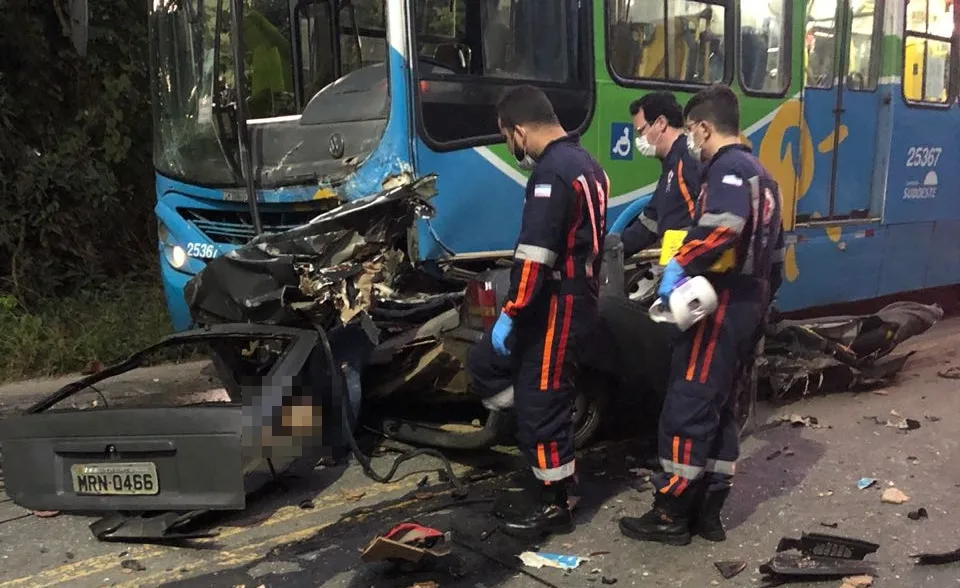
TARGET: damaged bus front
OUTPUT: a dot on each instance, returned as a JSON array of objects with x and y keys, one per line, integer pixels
[
  {"x": 319, "y": 118},
  {"x": 338, "y": 100}
]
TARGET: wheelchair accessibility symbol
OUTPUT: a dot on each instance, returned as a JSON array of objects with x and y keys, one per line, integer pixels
[{"x": 621, "y": 141}]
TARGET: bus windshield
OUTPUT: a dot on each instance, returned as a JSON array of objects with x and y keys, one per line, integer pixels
[{"x": 301, "y": 59}]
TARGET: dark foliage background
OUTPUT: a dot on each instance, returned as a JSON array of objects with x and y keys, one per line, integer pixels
[{"x": 76, "y": 178}]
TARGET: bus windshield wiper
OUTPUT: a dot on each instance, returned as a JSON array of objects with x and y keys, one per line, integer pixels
[
  {"x": 224, "y": 119},
  {"x": 243, "y": 132}
]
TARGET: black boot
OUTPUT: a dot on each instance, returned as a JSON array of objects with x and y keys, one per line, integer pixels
[
  {"x": 550, "y": 513},
  {"x": 707, "y": 523},
  {"x": 667, "y": 522}
]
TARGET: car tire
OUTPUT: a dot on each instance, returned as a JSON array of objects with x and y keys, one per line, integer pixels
[{"x": 589, "y": 406}]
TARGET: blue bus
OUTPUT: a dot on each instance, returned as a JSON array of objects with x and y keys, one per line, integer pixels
[{"x": 852, "y": 104}]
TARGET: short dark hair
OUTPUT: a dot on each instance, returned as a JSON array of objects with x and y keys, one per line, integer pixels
[
  {"x": 657, "y": 104},
  {"x": 525, "y": 105},
  {"x": 717, "y": 105}
]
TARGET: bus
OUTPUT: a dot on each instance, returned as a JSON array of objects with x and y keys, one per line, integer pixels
[{"x": 851, "y": 104}]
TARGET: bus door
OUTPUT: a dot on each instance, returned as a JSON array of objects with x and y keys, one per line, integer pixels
[{"x": 842, "y": 107}]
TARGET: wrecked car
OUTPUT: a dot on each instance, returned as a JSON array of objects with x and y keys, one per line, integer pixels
[{"x": 350, "y": 267}]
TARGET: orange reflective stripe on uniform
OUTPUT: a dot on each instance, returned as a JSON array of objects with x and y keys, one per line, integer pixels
[
  {"x": 695, "y": 352},
  {"x": 548, "y": 345},
  {"x": 691, "y": 249},
  {"x": 564, "y": 335},
  {"x": 714, "y": 334},
  {"x": 682, "y": 473},
  {"x": 684, "y": 190},
  {"x": 527, "y": 277}
]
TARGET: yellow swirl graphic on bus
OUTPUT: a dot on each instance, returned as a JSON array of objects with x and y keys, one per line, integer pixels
[{"x": 794, "y": 177}]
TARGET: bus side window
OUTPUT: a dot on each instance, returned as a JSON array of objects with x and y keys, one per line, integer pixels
[
  {"x": 820, "y": 44},
  {"x": 863, "y": 64},
  {"x": 687, "y": 43},
  {"x": 764, "y": 46},
  {"x": 927, "y": 47},
  {"x": 469, "y": 50}
]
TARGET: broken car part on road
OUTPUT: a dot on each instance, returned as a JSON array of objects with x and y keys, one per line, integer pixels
[
  {"x": 840, "y": 353},
  {"x": 820, "y": 557}
]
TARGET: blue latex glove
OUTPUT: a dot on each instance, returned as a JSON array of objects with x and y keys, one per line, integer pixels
[
  {"x": 501, "y": 330},
  {"x": 673, "y": 274}
]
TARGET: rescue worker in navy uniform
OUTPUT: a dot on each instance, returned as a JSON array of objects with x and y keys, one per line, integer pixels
[
  {"x": 658, "y": 120},
  {"x": 737, "y": 244},
  {"x": 552, "y": 304}
]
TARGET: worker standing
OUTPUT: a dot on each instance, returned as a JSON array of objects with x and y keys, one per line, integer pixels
[
  {"x": 737, "y": 244},
  {"x": 552, "y": 304},
  {"x": 658, "y": 120}
]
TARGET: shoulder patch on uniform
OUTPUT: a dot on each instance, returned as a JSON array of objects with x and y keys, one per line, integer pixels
[
  {"x": 542, "y": 190},
  {"x": 732, "y": 180}
]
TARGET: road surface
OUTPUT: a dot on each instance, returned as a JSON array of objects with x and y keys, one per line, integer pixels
[{"x": 791, "y": 479}]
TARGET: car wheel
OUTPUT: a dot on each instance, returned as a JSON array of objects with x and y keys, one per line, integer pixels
[
  {"x": 641, "y": 284},
  {"x": 589, "y": 406}
]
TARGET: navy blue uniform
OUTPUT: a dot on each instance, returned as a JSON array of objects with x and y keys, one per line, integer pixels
[
  {"x": 673, "y": 203},
  {"x": 739, "y": 210},
  {"x": 553, "y": 300}
]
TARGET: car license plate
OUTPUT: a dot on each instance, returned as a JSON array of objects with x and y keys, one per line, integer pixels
[{"x": 113, "y": 479}]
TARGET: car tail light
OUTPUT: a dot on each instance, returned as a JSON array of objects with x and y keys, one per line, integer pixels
[{"x": 481, "y": 300}]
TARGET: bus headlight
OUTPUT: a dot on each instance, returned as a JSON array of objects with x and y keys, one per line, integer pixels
[
  {"x": 174, "y": 254},
  {"x": 178, "y": 257}
]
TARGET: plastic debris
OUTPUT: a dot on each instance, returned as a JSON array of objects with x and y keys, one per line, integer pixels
[
  {"x": 899, "y": 422},
  {"x": 857, "y": 582},
  {"x": 821, "y": 557},
  {"x": 803, "y": 421},
  {"x": 410, "y": 542},
  {"x": 951, "y": 373},
  {"x": 864, "y": 483},
  {"x": 893, "y": 496},
  {"x": 931, "y": 559},
  {"x": 551, "y": 560},
  {"x": 729, "y": 569},
  {"x": 133, "y": 565},
  {"x": 830, "y": 525},
  {"x": 916, "y": 515}
]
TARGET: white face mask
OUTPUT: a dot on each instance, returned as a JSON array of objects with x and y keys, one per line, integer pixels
[
  {"x": 524, "y": 161},
  {"x": 694, "y": 149},
  {"x": 527, "y": 162},
  {"x": 645, "y": 147}
]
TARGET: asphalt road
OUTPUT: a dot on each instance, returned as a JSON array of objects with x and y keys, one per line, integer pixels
[{"x": 792, "y": 479}]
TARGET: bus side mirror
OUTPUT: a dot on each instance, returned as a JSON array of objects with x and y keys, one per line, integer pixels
[{"x": 79, "y": 26}]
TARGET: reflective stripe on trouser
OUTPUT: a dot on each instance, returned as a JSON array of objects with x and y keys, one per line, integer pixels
[
  {"x": 544, "y": 383},
  {"x": 698, "y": 433}
]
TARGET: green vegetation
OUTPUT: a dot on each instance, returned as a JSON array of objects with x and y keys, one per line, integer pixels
[
  {"x": 104, "y": 324},
  {"x": 78, "y": 280}
]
